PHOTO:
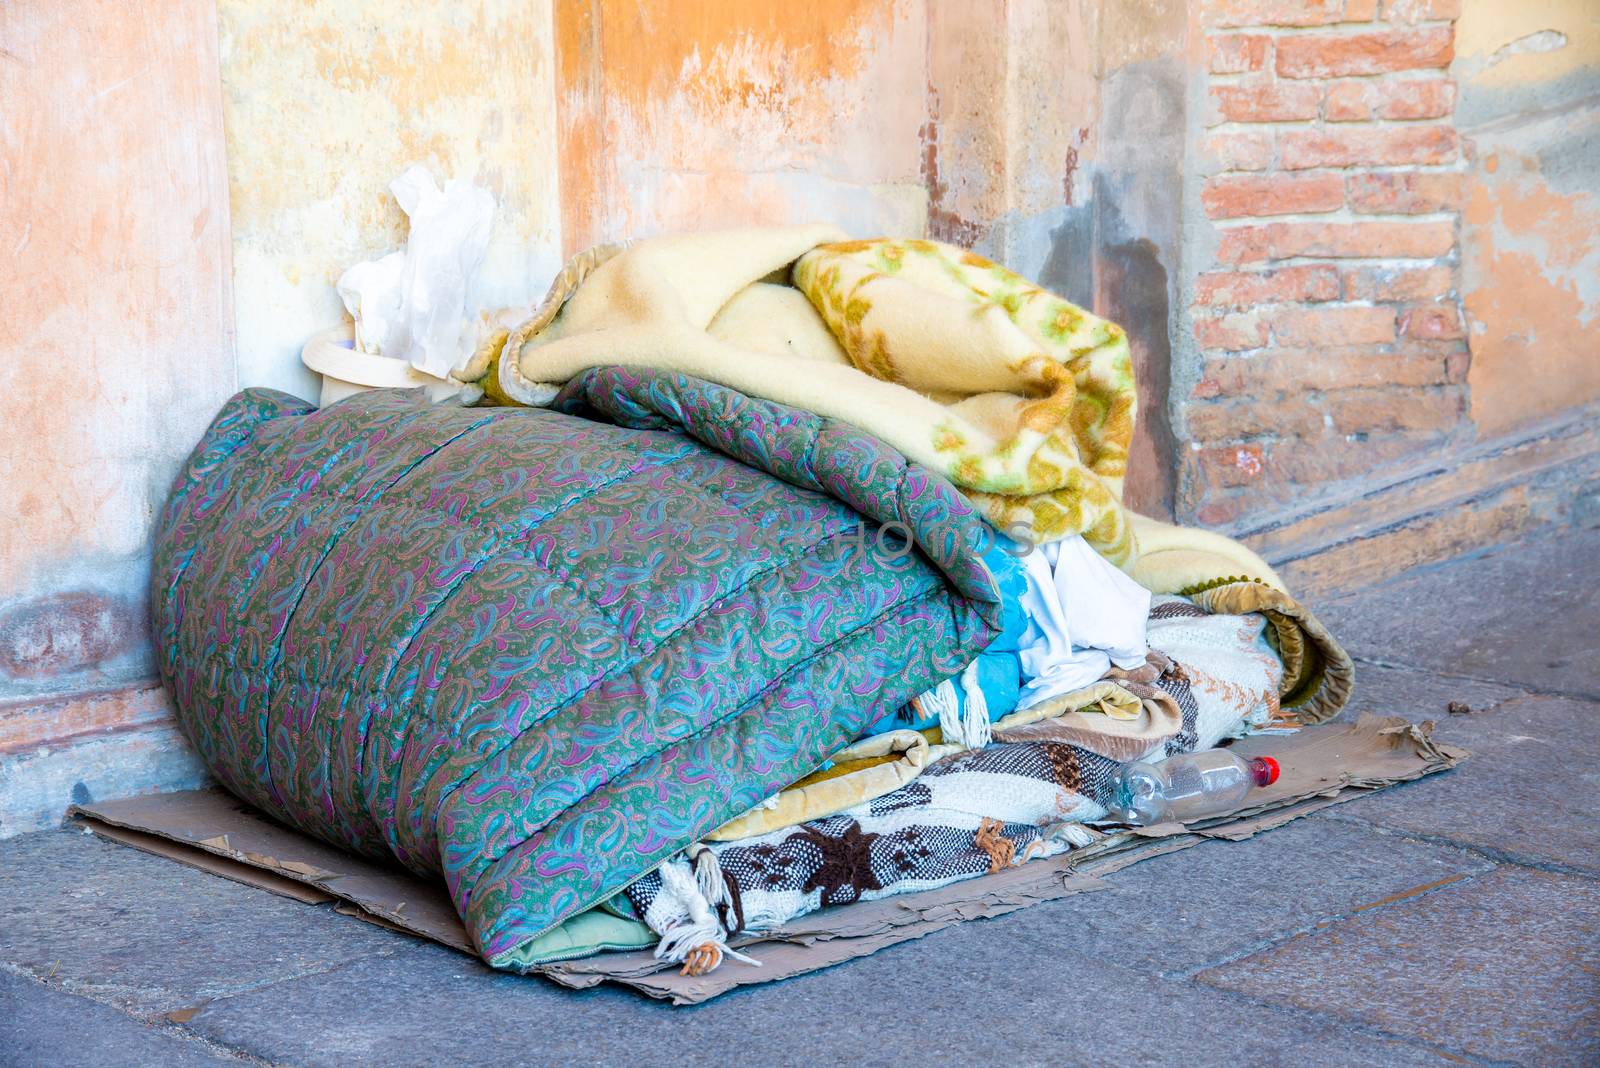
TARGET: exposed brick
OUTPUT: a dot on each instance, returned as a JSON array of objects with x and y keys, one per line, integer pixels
[
  {"x": 1428, "y": 98},
  {"x": 1336, "y": 457},
  {"x": 1221, "y": 513},
  {"x": 1229, "y": 465},
  {"x": 1238, "y": 53},
  {"x": 1431, "y": 322},
  {"x": 1232, "y": 332},
  {"x": 1395, "y": 409},
  {"x": 1252, "y": 244},
  {"x": 1404, "y": 192},
  {"x": 1374, "y": 240},
  {"x": 1232, "y": 196},
  {"x": 1270, "y": 12},
  {"x": 1265, "y": 102},
  {"x": 1246, "y": 289},
  {"x": 1399, "y": 283},
  {"x": 1412, "y": 11},
  {"x": 1350, "y": 146},
  {"x": 1240, "y": 151},
  {"x": 1217, "y": 495},
  {"x": 1389, "y": 98},
  {"x": 1345, "y": 325},
  {"x": 1432, "y": 348},
  {"x": 1323, "y": 368},
  {"x": 1237, "y": 418},
  {"x": 1360, "y": 10},
  {"x": 1345, "y": 55},
  {"x": 1353, "y": 101}
]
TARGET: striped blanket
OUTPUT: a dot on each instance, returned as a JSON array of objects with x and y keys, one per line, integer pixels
[{"x": 972, "y": 813}]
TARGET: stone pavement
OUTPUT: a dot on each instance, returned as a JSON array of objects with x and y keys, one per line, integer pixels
[{"x": 1453, "y": 919}]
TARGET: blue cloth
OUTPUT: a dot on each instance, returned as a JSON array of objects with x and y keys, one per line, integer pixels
[{"x": 999, "y": 665}]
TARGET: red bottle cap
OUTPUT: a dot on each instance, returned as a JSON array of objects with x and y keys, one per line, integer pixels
[{"x": 1264, "y": 770}]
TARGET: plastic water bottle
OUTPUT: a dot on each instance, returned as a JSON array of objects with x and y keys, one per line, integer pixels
[{"x": 1187, "y": 787}]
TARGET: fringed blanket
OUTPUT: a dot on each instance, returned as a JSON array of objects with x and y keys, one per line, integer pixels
[
  {"x": 976, "y": 812},
  {"x": 1022, "y": 399}
]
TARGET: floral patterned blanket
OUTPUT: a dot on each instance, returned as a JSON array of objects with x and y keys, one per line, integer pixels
[
  {"x": 1019, "y": 397},
  {"x": 538, "y": 654}
]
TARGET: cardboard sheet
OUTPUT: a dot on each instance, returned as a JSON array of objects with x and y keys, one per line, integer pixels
[
  {"x": 1320, "y": 766},
  {"x": 214, "y": 831}
]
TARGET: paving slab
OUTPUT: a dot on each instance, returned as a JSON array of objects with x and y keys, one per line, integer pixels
[
  {"x": 1526, "y": 615},
  {"x": 153, "y": 935},
  {"x": 40, "y": 1025},
  {"x": 1173, "y": 914},
  {"x": 1527, "y": 794},
  {"x": 1505, "y": 967},
  {"x": 1417, "y": 695},
  {"x": 976, "y": 992}
]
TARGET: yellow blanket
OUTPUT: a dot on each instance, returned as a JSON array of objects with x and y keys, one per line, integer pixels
[{"x": 1017, "y": 396}]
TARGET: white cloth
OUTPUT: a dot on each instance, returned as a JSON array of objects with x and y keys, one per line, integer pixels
[{"x": 1084, "y": 615}]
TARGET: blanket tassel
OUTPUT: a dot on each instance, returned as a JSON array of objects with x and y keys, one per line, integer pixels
[
  {"x": 964, "y": 726},
  {"x": 975, "y": 717},
  {"x": 699, "y": 942}
]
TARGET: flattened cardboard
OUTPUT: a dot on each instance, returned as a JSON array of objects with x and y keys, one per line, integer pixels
[
  {"x": 1320, "y": 766},
  {"x": 214, "y": 831}
]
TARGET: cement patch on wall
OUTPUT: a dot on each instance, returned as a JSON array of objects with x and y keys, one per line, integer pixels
[
  {"x": 324, "y": 109},
  {"x": 1512, "y": 59}
]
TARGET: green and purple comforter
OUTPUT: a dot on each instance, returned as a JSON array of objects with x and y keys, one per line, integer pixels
[{"x": 540, "y": 651}]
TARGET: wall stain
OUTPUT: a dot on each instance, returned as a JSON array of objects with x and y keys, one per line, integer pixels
[
  {"x": 67, "y": 633},
  {"x": 943, "y": 223},
  {"x": 1134, "y": 272},
  {"x": 1071, "y": 168}
]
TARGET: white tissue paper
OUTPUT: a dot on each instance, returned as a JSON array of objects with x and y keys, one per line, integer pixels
[{"x": 423, "y": 305}]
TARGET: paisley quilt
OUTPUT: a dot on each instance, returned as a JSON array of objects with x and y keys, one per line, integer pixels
[{"x": 537, "y": 651}]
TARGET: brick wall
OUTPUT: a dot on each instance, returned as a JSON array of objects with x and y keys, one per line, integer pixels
[{"x": 1325, "y": 304}]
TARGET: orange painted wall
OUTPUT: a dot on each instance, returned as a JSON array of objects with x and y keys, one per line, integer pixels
[
  {"x": 677, "y": 115},
  {"x": 116, "y": 349}
]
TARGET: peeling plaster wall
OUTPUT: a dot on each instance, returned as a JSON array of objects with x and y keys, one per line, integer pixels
[
  {"x": 183, "y": 182},
  {"x": 1054, "y": 131},
  {"x": 115, "y": 346},
  {"x": 115, "y": 351},
  {"x": 723, "y": 113},
  {"x": 1530, "y": 103},
  {"x": 1391, "y": 272},
  {"x": 1138, "y": 207},
  {"x": 325, "y": 108},
  {"x": 1008, "y": 150}
]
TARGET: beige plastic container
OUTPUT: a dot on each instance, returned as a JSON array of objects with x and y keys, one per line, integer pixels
[{"x": 345, "y": 372}]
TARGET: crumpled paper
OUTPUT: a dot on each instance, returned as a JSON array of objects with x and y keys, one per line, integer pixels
[{"x": 422, "y": 305}]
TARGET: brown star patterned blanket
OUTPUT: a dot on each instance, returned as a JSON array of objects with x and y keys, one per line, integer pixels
[{"x": 973, "y": 813}]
